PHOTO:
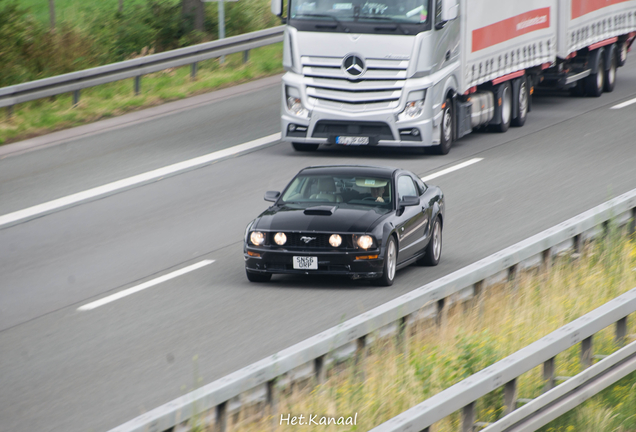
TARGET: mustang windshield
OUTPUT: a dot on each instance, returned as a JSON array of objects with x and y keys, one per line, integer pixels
[
  {"x": 398, "y": 11},
  {"x": 321, "y": 189}
]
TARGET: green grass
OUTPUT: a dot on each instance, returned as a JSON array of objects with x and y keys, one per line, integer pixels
[
  {"x": 392, "y": 377},
  {"x": 50, "y": 114},
  {"x": 72, "y": 11}
]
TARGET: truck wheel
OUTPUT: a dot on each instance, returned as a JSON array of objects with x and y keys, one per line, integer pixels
[
  {"x": 258, "y": 277},
  {"x": 521, "y": 98},
  {"x": 448, "y": 124},
  {"x": 594, "y": 83},
  {"x": 505, "y": 94},
  {"x": 610, "y": 72},
  {"x": 305, "y": 147}
]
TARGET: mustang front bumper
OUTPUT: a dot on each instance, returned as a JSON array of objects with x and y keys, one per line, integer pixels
[{"x": 343, "y": 263}]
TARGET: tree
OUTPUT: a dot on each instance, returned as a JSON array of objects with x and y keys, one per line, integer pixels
[{"x": 193, "y": 11}]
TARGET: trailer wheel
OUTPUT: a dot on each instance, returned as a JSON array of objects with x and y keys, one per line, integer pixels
[
  {"x": 610, "y": 72},
  {"x": 521, "y": 99},
  {"x": 305, "y": 147},
  {"x": 448, "y": 124},
  {"x": 595, "y": 82},
  {"x": 504, "y": 100}
]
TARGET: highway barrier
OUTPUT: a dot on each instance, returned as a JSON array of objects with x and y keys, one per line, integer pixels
[
  {"x": 256, "y": 385},
  {"x": 136, "y": 68}
]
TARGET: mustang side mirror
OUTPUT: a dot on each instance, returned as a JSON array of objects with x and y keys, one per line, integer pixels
[
  {"x": 409, "y": 200},
  {"x": 271, "y": 196}
]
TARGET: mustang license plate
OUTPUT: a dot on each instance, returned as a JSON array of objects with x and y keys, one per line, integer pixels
[
  {"x": 352, "y": 140},
  {"x": 305, "y": 263}
]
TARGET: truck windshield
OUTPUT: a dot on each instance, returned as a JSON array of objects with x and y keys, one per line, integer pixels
[{"x": 339, "y": 11}]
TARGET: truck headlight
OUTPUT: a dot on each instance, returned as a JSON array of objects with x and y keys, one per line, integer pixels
[
  {"x": 414, "y": 105},
  {"x": 294, "y": 103}
]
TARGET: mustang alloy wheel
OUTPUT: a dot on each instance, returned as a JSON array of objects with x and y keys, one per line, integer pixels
[
  {"x": 390, "y": 263},
  {"x": 434, "y": 247}
]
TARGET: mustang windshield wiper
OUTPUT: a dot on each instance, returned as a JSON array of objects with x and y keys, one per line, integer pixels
[
  {"x": 338, "y": 22},
  {"x": 388, "y": 19}
]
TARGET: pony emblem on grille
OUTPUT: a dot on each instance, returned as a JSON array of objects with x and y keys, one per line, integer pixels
[{"x": 307, "y": 239}]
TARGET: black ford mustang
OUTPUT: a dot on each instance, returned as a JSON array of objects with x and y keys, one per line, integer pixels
[{"x": 357, "y": 221}]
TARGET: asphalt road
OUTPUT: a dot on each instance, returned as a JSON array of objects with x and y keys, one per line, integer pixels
[{"x": 71, "y": 370}]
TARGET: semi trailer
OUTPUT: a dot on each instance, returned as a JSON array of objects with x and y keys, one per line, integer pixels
[{"x": 423, "y": 73}]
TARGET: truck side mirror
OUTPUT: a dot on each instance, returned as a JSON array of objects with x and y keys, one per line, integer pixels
[
  {"x": 277, "y": 7},
  {"x": 450, "y": 10}
]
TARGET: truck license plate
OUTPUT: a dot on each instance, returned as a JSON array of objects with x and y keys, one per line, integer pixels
[
  {"x": 305, "y": 263},
  {"x": 352, "y": 140}
]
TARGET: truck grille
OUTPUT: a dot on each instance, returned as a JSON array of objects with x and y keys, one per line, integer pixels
[{"x": 329, "y": 86}]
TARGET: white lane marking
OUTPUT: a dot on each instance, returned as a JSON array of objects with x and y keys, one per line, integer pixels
[
  {"x": 143, "y": 286},
  {"x": 624, "y": 104},
  {"x": 451, "y": 169},
  {"x": 134, "y": 180}
]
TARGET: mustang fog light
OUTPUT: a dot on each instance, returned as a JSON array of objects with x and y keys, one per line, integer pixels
[
  {"x": 335, "y": 240},
  {"x": 253, "y": 254},
  {"x": 280, "y": 239},
  {"x": 365, "y": 241},
  {"x": 257, "y": 238},
  {"x": 366, "y": 257}
]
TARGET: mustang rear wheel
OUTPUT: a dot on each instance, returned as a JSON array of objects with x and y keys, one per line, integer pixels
[
  {"x": 434, "y": 247},
  {"x": 258, "y": 277},
  {"x": 390, "y": 264}
]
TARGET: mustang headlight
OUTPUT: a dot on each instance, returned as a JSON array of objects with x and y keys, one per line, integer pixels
[
  {"x": 335, "y": 240},
  {"x": 365, "y": 241},
  {"x": 257, "y": 238},
  {"x": 280, "y": 239}
]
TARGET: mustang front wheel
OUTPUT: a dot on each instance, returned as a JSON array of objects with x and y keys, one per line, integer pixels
[
  {"x": 434, "y": 247},
  {"x": 390, "y": 264}
]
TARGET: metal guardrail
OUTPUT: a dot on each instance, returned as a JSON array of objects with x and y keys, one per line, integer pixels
[
  {"x": 558, "y": 400},
  {"x": 136, "y": 68},
  {"x": 259, "y": 382}
]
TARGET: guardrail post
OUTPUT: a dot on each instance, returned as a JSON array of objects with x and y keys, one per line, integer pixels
[
  {"x": 137, "y": 84},
  {"x": 440, "y": 309},
  {"x": 546, "y": 261},
  {"x": 9, "y": 112},
  {"x": 510, "y": 396},
  {"x": 193, "y": 70},
  {"x": 246, "y": 56},
  {"x": 221, "y": 418},
  {"x": 272, "y": 397},
  {"x": 633, "y": 224},
  {"x": 468, "y": 417},
  {"x": 621, "y": 330},
  {"x": 76, "y": 97},
  {"x": 586, "y": 352},
  {"x": 319, "y": 369},
  {"x": 548, "y": 374},
  {"x": 578, "y": 244},
  {"x": 361, "y": 355},
  {"x": 512, "y": 275}
]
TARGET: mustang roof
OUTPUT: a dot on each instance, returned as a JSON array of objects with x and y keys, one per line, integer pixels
[{"x": 356, "y": 170}]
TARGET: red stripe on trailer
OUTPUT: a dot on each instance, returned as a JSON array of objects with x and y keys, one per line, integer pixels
[
  {"x": 571, "y": 55},
  {"x": 545, "y": 66},
  {"x": 510, "y": 28},
  {"x": 508, "y": 77},
  {"x": 583, "y": 7},
  {"x": 470, "y": 90},
  {"x": 602, "y": 43}
]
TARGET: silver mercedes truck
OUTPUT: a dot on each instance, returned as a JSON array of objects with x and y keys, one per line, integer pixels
[{"x": 423, "y": 73}]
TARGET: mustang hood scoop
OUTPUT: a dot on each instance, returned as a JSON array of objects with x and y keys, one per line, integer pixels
[{"x": 320, "y": 210}]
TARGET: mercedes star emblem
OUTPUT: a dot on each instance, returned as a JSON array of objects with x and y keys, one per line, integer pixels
[{"x": 354, "y": 65}]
